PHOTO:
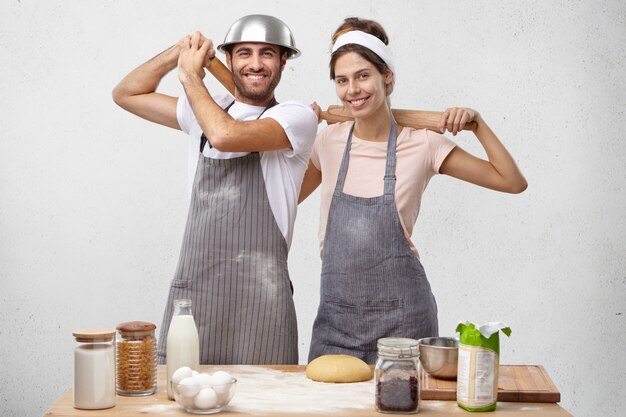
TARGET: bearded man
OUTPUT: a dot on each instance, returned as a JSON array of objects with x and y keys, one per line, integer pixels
[{"x": 249, "y": 154}]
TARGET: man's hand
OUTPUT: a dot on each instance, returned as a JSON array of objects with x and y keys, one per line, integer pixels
[
  {"x": 196, "y": 53},
  {"x": 318, "y": 111}
]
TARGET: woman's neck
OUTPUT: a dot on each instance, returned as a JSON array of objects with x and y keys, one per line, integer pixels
[{"x": 374, "y": 128}]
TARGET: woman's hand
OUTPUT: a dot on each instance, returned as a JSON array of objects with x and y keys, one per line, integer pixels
[{"x": 454, "y": 119}]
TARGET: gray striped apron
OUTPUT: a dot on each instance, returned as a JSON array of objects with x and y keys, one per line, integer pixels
[
  {"x": 372, "y": 284},
  {"x": 233, "y": 266}
]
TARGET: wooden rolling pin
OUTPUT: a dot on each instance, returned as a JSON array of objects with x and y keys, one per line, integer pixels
[
  {"x": 222, "y": 74},
  {"x": 417, "y": 119}
]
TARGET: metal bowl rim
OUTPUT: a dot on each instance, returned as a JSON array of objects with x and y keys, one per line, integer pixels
[
  {"x": 424, "y": 342},
  {"x": 272, "y": 25}
]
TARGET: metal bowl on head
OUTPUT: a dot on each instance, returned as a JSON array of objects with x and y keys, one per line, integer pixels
[
  {"x": 439, "y": 356},
  {"x": 261, "y": 28}
]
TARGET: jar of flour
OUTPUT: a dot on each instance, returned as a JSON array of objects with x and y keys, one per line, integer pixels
[{"x": 94, "y": 369}]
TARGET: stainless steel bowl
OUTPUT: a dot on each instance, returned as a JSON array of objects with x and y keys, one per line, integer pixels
[
  {"x": 439, "y": 356},
  {"x": 261, "y": 28}
]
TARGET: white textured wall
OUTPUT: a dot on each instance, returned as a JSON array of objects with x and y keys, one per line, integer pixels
[{"x": 93, "y": 200}]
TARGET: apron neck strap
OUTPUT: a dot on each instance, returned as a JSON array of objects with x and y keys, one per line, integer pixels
[{"x": 390, "y": 166}]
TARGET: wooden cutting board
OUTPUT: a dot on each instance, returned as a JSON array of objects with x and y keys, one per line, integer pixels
[{"x": 517, "y": 383}]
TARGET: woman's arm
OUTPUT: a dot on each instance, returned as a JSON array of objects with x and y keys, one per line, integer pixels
[
  {"x": 312, "y": 180},
  {"x": 498, "y": 173}
]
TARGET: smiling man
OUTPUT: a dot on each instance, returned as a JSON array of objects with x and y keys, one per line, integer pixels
[{"x": 249, "y": 154}]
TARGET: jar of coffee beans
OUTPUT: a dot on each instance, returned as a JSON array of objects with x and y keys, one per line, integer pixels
[{"x": 397, "y": 376}]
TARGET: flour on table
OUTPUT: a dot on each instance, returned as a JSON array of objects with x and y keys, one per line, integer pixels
[
  {"x": 261, "y": 390},
  {"x": 161, "y": 408}
]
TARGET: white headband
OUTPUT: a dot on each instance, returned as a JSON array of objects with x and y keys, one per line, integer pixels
[{"x": 371, "y": 42}]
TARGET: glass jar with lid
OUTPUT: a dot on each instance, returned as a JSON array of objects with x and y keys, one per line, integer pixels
[
  {"x": 136, "y": 359},
  {"x": 397, "y": 376},
  {"x": 94, "y": 369}
]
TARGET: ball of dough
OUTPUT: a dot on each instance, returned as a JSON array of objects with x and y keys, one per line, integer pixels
[{"x": 338, "y": 368}]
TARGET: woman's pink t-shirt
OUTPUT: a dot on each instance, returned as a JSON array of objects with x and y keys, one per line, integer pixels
[{"x": 419, "y": 154}]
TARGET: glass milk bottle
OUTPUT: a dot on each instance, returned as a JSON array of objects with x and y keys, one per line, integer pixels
[
  {"x": 183, "y": 346},
  {"x": 94, "y": 369}
]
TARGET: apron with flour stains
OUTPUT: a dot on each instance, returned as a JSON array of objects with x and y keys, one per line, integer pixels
[
  {"x": 233, "y": 266},
  {"x": 372, "y": 284}
]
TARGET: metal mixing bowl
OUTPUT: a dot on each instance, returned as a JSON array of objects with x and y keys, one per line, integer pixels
[
  {"x": 261, "y": 28},
  {"x": 439, "y": 356}
]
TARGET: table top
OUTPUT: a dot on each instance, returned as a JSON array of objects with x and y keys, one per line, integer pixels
[{"x": 280, "y": 390}]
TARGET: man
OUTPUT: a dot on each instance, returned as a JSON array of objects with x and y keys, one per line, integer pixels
[{"x": 251, "y": 154}]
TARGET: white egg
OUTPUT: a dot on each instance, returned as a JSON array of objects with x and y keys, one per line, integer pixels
[
  {"x": 180, "y": 374},
  {"x": 194, "y": 373},
  {"x": 188, "y": 387},
  {"x": 222, "y": 397},
  {"x": 187, "y": 402},
  {"x": 221, "y": 377},
  {"x": 204, "y": 380},
  {"x": 205, "y": 399},
  {"x": 221, "y": 382}
]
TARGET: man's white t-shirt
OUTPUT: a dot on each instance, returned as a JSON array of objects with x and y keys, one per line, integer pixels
[{"x": 283, "y": 170}]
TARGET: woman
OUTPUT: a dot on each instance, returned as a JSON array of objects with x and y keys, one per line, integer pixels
[{"x": 373, "y": 174}]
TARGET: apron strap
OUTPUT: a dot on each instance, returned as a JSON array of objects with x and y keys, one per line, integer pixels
[
  {"x": 390, "y": 165},
  {"x": 203, "y": 138},
  {"x": 343, "y": 168}
]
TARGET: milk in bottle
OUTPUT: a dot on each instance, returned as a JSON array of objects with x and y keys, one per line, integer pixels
[{"x": 183, "y": 347}]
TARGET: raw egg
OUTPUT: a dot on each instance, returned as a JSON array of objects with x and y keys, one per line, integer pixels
[{"x": 206, "y": 399}]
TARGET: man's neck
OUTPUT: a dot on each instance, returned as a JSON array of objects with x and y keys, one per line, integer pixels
[{"x": 259, "y": 103}]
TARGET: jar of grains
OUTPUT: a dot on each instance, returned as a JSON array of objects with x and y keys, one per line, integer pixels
[
  {"x": 136, "y": 359},
  {"x": 397, "y": 376}
]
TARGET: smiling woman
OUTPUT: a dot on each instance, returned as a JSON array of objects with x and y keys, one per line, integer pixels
[
  {"x": 373, "y": 174},
  {"x": 363, "y": 90}
]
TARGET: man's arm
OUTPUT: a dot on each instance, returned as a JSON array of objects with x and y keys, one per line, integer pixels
[
  {"x": 230, "y": 135},
  {"x": 136, "y": 92},
  {"x": 225, "y": 133}
]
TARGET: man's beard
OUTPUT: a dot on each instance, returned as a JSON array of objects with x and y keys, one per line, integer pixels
[{"x": 255, "y": 95}]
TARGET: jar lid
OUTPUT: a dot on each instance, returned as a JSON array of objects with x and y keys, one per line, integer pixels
[
  {"x": 94, "y": 335},
  {"x": 135, "y": 326},
  {"x": 398, "y": 347}
]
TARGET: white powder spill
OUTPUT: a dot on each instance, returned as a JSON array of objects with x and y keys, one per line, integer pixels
[
  {"x": 436, "y": 405},
  {"x": 263, "y": 390},
  {"x": 263, "y": 267},
  {"x": 161, "y": 408},
  {"x": 531, "y": 408}
]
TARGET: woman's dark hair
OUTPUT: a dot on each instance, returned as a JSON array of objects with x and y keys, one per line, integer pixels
[{"x": 364, "y": 25}]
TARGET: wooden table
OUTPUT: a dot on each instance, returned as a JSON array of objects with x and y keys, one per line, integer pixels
[{"x": 283, "y": 390}]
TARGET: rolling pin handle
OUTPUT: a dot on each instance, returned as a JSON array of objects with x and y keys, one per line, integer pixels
[{"x": 222, "y": 74}]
